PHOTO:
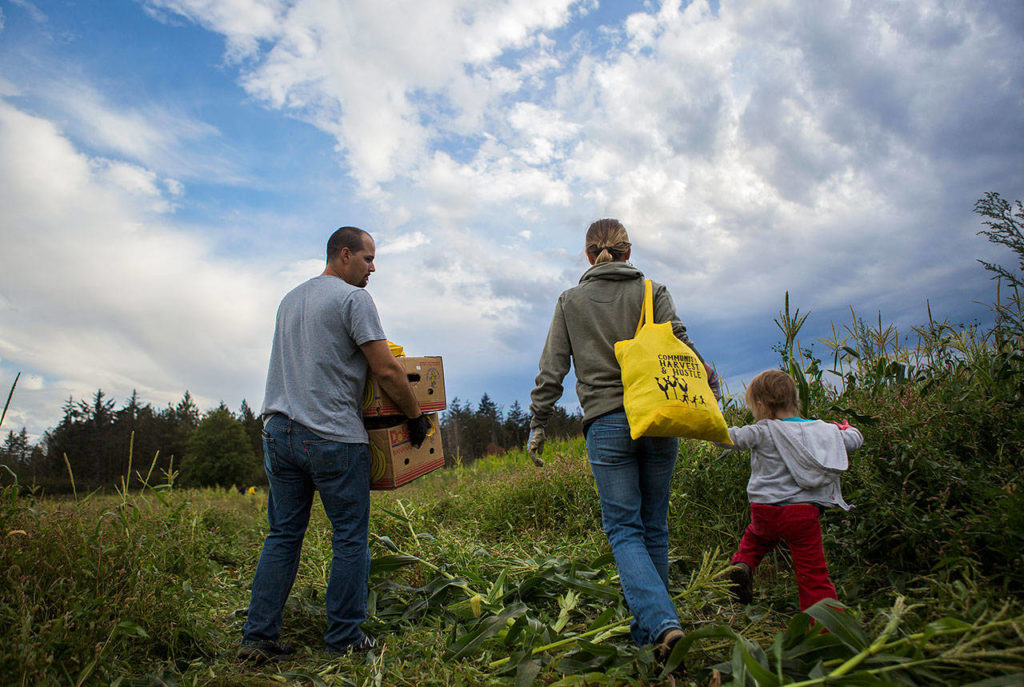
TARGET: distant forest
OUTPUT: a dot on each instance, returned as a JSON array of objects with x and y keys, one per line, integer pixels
[{"x": 95, "y": 440}]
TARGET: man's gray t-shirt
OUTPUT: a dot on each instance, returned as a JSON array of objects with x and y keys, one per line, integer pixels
[{"x": 317, "y": 370}]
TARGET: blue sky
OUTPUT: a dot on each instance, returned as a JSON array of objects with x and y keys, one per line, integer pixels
[{"x": 170, "y": 168}]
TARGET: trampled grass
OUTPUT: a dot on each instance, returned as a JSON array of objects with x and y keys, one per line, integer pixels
[{"x": 496, "y": 573}]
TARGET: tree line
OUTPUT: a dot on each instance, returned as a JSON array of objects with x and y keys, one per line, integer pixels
[
  {"x": 469, "y": 434},
  {"x": 97, "y": 443}
]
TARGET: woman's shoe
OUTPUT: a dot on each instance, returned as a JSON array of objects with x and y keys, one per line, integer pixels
[{"x": 666, "y": 643}]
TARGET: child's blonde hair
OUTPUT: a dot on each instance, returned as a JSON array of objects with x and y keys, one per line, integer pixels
[{"x": 770, "y": 392}]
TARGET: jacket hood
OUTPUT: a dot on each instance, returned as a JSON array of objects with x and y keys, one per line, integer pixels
[
  {"x": 612, "y": 271},
  {"x": 815, "y": 449}
]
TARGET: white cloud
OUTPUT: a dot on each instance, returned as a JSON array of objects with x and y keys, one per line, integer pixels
[
  {"x": 403, "y": 243},
  {"x": 31, "y": 382},
  {"x": 734, "y": 144},
  {"x": 162, "y": 137},
  {"x": 99, "y": 292},
  {"x": 139, "y": 182},
  {"x": 174, "y": 187},
  {"x": 244, "y": 22},
  {"x": 833, "y": 151},
  {"x": 153, "y": 136},
  {"x": 357, "y": 70}
]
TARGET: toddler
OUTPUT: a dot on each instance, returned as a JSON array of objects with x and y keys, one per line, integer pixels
[{"x": 794, "y": 475}]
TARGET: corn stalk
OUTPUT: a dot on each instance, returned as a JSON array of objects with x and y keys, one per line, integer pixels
[{"x": 9, "y": 395}]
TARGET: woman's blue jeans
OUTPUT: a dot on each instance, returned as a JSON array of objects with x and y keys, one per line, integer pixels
[
  {"x": 299, "y": 462},
  {"x": 633, "y": 480}
]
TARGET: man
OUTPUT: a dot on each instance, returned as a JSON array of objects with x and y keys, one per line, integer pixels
[{"x": 327, "y": 335}]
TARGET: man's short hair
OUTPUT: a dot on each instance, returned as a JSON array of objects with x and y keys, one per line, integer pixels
[{"x": 346, "y": 237}]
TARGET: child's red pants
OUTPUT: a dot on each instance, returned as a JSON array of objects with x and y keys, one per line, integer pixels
[{"x": 798, "y": 526}]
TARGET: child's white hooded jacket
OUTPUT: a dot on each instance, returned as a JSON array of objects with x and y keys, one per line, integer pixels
[{"x": 796, "y": 461}]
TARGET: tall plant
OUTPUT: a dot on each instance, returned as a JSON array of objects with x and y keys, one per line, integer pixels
[
  {"x": 9, "y": 396},
  {"x": 1005, "y": 222},
  {"x": 790, "y": 326}
]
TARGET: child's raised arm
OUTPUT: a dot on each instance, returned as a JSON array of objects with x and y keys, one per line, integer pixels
[
  {"x": 748, "y": 436},
  {"x": 852, "y": 438}
]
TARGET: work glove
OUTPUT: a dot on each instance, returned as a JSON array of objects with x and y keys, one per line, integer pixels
[
  {"x": 536, "y": 446},
  {"x": 419, "y": 427}
]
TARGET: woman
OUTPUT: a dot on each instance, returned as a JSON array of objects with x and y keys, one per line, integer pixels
[{"x": 632, "y": 476}]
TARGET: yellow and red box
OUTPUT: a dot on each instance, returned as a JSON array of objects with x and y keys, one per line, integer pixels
[
  {"x": 426, "y": 377},
  {"x": 394, "y": 461}
]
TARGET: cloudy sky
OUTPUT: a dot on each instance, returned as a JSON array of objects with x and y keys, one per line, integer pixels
[{"x": 170, "y": 168}]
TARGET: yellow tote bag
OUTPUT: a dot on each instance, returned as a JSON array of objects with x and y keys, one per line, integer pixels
[{"x": 665, "y": 386}]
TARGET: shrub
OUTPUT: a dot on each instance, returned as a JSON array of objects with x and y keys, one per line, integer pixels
[{"x": 219, "y": 452}]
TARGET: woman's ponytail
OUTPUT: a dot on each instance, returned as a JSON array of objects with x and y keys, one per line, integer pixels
[{"x": 607, "y": 241}]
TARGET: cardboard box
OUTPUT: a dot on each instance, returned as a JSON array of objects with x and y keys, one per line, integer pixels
[
  {"x": 394, "y": 461},
  {"x": 426, "y": 377}
]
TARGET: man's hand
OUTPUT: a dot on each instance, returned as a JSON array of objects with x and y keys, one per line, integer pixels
[
  {"x": 536, "y": 446},
  {"x": 419, "y": 427}
]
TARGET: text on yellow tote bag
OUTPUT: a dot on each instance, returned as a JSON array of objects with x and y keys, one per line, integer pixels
[{"x": 665, "y": 386}]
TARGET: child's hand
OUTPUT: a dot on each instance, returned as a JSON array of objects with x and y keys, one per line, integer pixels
[{"x": 842, "y": 425}]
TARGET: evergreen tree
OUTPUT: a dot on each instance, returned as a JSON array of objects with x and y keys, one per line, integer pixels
[
  {"x": 16, "y": 448},
  {"x": 454, "y": 423},
  {"x": 253, "y": 424},
  {"x": 488, "y": 420},
  {"x": 186, "y": 413},
  {"x": 219, "y": 452},
  {"x": 14, "y": 454},
  {"x": 177, "y": 423},
  {"x": 516, "y": 426},
  {"x": 564, "y": 424}
]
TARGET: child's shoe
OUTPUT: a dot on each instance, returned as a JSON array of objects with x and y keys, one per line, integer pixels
[{"x": 742, "y": 578}]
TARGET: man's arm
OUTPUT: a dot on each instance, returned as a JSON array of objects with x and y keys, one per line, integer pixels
[{"x": 391, "y": 376}]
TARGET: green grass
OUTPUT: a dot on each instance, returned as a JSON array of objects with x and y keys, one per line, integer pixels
[
  {"x": 150, "y": 588},
  {"x": 499, "y": 573}
]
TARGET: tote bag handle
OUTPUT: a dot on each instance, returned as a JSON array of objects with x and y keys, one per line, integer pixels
[{"x": 647, "y": 311}]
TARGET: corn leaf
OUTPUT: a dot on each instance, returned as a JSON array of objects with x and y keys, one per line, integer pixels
[
  {"x": 526, "y": 672},
  {"x": 675, "y": 659},
  {"x": 483, "y": 630},
  {"x": 602, "y": 591},
  {"x": 756, "y": 663},
  {"x": 839, "y": 623},
  {"x": 1014, "y": 680},
  {"x": 386, "y": 564}
]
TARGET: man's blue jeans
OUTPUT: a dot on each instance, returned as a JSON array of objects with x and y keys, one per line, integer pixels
[
  {"x": 299, "y": 462},
  {"x": 633, "y": 480}
]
